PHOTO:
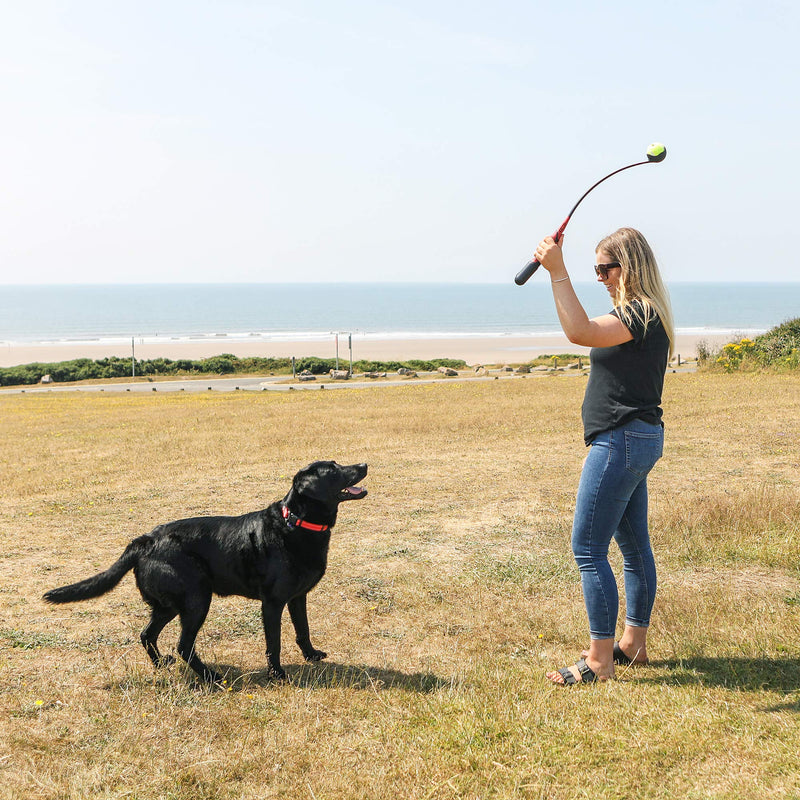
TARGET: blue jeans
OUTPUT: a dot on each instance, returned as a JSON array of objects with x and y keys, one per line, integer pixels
[{"x": 612, "y": 502}]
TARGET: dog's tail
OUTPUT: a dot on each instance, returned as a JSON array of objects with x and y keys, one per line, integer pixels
[{"x": 104, "y": 581}]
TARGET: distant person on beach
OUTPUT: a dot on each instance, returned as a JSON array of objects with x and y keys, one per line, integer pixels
[{"x": 631, "y": 347}]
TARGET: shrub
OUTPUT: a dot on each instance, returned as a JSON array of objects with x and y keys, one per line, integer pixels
[
  {"x": 225, "y": 364},
  {"x": 734, "y": 354},
  {"x": 777, "y": 349},
  {"x": 780, "y": 346},
  {"x": 316, "y": 366}
]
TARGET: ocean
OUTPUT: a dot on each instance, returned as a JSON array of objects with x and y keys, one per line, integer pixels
[{"x": 270, "y": 312}]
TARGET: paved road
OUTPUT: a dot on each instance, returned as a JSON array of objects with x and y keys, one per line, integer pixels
[
  {"x": 271, "y": 384},
  {"x": 277, "y": 384}
]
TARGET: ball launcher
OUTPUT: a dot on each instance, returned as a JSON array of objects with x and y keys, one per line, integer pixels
[{"x": 656, "y": 153}]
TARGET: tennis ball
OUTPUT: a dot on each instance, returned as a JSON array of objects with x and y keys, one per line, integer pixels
[{"x": 656, "y": 152}]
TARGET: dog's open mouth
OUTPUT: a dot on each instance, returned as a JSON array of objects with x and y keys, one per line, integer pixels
[{"x": 352, "y": 493}]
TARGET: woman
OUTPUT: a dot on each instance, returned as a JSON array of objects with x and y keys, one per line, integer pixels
[{"x": 631, "y": 347}]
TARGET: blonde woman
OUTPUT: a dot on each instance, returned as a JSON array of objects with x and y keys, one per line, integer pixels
[{"x": 631, "y": 347}]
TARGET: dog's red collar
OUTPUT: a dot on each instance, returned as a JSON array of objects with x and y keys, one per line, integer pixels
[{"x": 296, "y": 522}]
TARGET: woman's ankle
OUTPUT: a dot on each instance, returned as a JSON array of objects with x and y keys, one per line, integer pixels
[
  {"x": 633, "y": 643},
  {"x": 600, "y": 656}
]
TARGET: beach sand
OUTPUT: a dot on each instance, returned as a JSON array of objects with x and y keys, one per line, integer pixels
[{"x": 478, "y": 350}]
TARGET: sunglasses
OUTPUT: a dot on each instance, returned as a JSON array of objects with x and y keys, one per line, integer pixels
[{"x": 602, "y": 269}]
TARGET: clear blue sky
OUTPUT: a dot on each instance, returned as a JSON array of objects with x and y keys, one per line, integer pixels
[{"x": 422, "y": 140}]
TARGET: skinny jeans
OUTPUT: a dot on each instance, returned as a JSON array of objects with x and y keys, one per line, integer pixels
[{"x": 612, "y": 503}]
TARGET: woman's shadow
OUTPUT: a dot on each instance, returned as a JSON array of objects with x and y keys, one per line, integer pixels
[{"x": 742, "y": 674}]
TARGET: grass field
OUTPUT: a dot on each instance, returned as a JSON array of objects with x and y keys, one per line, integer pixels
[{"x": 450, "y": 591}]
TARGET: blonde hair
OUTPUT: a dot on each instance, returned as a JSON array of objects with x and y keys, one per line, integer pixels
[{"x": 640, "y": 280}]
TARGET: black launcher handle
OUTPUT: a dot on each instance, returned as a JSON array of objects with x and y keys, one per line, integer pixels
[
  {"x": 531, "y": 267},
  {"x": 525, "y": 273}
]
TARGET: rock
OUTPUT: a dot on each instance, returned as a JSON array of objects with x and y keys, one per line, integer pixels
[
  {"x": 448, "y": 371},
  {"x": 306, "y": 376},
  {"x": 46, "y": 379},
  {"x": 523, "y": 370},
  {"x": 340, "y": 374}
]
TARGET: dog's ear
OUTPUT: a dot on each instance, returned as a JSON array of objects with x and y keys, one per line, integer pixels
[{"x": 312, "y": 483}]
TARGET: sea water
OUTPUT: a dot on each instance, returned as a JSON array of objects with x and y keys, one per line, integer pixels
[{"x": 270, "y": 312}]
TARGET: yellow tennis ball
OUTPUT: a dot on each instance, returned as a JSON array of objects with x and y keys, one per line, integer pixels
[{"x": 656, "y": 152}]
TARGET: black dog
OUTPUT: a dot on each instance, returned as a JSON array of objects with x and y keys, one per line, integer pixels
[{"x": 276, "y": 556}]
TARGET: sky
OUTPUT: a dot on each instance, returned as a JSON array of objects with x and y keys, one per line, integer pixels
[{"x": 208, "y": 141}]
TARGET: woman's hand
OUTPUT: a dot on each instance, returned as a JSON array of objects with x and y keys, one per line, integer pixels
[{"x": 551, "y": 258}]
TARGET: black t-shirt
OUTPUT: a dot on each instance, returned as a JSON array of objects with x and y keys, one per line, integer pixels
[{"x": 626, "y": 381}]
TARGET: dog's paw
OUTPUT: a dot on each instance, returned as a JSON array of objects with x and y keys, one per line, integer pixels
[{"x": 314, "y": 655}]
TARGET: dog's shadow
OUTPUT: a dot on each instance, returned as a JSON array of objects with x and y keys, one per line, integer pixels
[
  {"x": 742, "y": 674},
  {"x": 330, "y": 675}
]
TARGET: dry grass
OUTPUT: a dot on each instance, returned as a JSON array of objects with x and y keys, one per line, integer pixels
[{"x": 450, "y": 590}]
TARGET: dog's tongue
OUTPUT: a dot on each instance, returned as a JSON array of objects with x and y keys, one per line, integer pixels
[{"x": 354, "y": 490}]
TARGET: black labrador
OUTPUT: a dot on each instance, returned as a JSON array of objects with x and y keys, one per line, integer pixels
[{"x": 276, "y": 555}]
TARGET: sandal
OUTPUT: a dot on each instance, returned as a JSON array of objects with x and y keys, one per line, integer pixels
[
  {"x": 624, "y": 660},
  {"x": 586, "y": 673}
]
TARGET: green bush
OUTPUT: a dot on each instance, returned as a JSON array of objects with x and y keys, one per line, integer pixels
[
  {"x": 777, "y": 349},
  {"x": 780, "y": 346},
  {"x": 219, "y": 365},
  {"x": 82, "y": 369}
]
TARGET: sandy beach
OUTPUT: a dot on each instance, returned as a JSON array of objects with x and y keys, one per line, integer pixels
[{"x": 478, "y": 350}]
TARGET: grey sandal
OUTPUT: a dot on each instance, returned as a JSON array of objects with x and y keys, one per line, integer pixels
[{"x": 585, "y": 671}]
